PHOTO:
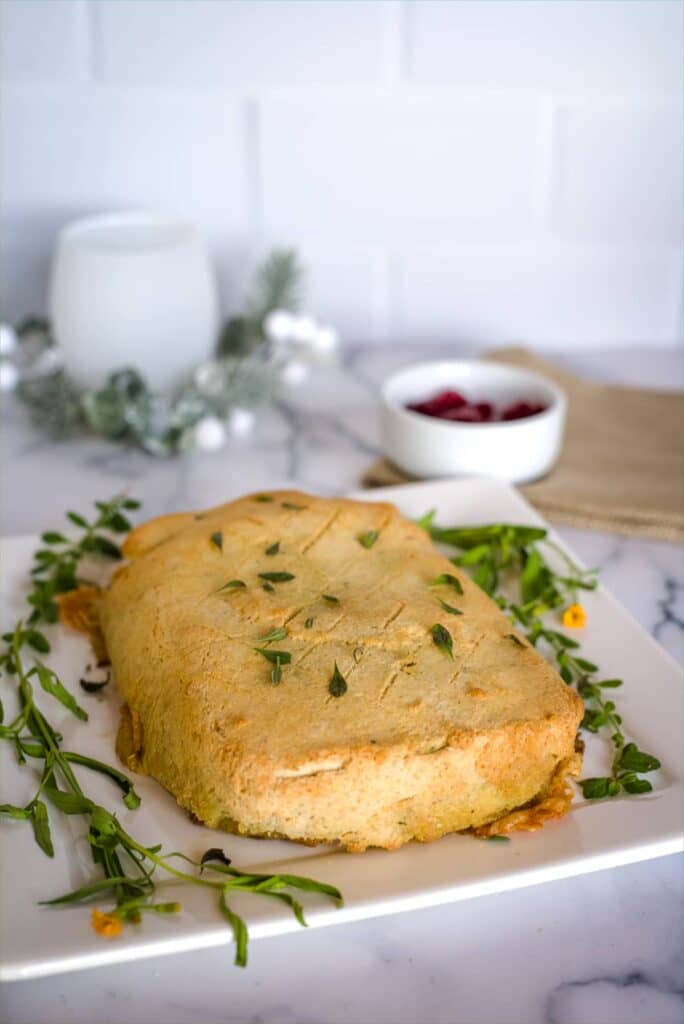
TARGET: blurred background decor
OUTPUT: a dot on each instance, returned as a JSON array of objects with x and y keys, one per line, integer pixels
[
  {"x": 474, "y": 174},
  {"x": 257, "y": 352}
]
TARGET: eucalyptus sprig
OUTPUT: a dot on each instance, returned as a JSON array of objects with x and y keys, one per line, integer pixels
[
  {"x": 498, "y": 553},
  {"x": 127, "y": 865}
]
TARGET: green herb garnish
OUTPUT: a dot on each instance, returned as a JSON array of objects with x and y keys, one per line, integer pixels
[
  {"x": 269, "y": 587},
  {"x": 276, "y": 634},
  {"x": 338, "y": 684},
  {"x": 498, "y": 839},
  {"x": 276, "y": 673},
  {"x": 330, "y": 598},
  {"x": 273, "y": 549},
  {"x": 292, "y": 507},
  {"x": 217, "y": 540},
  {"x": 276, "y": 577},
  {"x": 446, "y": 578},
  {"x": 127, "y": 865},
  {"x": 368, "y": 539},
  {"x": 441, "y": 637},
  {"x": 275, "y": 657},
  {"x": 309, "y": 623},
  {"x": 449, "y": 607},
  {"x": 232, "y": 585},
  {"x": 54, "y": 569},
  {"x": 489, "y": 551},
  {"x": 263, "y": 497}
]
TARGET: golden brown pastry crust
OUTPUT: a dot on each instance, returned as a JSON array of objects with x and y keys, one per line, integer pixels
[{"x": 418, "y": 746}]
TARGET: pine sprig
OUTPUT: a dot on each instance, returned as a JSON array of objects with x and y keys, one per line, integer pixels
[{"x": 501, "y": 551}]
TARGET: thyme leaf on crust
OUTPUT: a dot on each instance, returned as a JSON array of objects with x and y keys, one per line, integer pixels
[
  {"x": 279, "y": 633},
  {"x": 273, "y": 549},
  {"x": 441, "y": 637},
  {"x": 448, "y": 579},
  {"x": 276, "y": 577},
  {"x": 449, "y": 607},
  {"x": 217, "y": 540},
  {"x": 367, "y": 539},
  {"x": 284, "y": 657},
  {"x": 337, "y": 686}
]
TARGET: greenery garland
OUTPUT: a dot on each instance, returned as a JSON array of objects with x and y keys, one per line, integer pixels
[{"x": 247, "y": 372}]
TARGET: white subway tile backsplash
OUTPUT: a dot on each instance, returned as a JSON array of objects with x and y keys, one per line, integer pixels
[
  {"x": 620, "y": 173},
  {"x": 389, "y": 169},
  {"x": 40, "y": 41},
  {"x": 65, "y": 154},
  {"x": 242, "y": 43},
  {"x": 591, "y": 47},
  {"x": 539, "y": 295},
  {"x": 475, "y": 171},
  {"x": 24, "y": 271}
]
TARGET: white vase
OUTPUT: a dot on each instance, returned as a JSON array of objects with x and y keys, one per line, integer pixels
[{"x": 133, "y": 290}]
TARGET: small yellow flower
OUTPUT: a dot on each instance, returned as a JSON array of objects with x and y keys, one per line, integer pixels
[
  {"x": 106, "y": 924},
  {"x": 575, "y": 617}
]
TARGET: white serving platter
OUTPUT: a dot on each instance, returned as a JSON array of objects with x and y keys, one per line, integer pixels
[{"x": 37, "y": 941}]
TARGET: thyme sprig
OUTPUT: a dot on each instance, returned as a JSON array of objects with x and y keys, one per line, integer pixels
[
  {"x": 127, "y": 865},
  {"x": 495, "y": 553},
  {"x": 55, "y": 569}
]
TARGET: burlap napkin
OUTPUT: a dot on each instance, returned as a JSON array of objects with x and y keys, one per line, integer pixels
[{"x": 622, "y": 464}]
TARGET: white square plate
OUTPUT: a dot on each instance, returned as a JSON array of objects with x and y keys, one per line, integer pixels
[{"x": 38, "y": 941}]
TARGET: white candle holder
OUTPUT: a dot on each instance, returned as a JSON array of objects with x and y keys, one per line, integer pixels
[{"x": 133, "y": 290}]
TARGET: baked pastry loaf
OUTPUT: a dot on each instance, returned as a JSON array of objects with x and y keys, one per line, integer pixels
[{"x": 364, "y": 730}]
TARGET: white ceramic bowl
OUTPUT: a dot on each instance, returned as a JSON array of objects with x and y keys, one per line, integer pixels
[{"x": 514, "y": 450}]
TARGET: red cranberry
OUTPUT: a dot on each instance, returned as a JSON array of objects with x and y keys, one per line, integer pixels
[
  {"x": 486, "y": 410},
  {"x": 439, "y": 404},
  {"x": 521, "y": 410},
  {"x": 466, "y": 414}
]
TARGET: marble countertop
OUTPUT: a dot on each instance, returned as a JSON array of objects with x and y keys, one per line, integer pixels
[{"x": 603, "y": 948}]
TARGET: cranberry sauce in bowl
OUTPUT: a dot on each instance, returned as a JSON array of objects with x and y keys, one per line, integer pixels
[
  {"x": 453, "y": 405},
  {"x": 463, "y": 417}
]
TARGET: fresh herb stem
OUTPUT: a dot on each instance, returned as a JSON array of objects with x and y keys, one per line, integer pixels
[
  {"x": 501, "y": 550},
  {"x": 127, "y": 864}
]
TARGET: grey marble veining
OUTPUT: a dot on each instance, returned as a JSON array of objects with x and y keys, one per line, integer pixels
[{"x": 597, "y": 949}]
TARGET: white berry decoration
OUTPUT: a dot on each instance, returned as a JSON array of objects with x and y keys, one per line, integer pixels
[
  {"x": 279, "y": 326},
  {"x": 294, "y": 373},
  {"x": 240, "y": 422},
  {"x": 210, "y": 434},
  {"x": 303, "y": 329},
  {"x": 325, "y": 340}
]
